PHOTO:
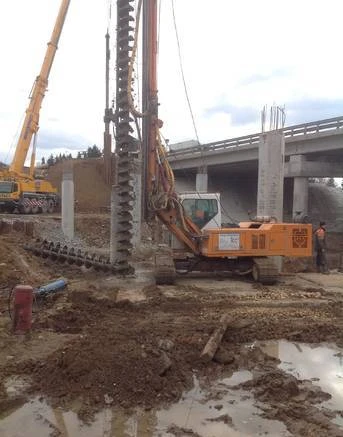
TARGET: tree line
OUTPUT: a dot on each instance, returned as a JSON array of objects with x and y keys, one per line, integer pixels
[
  {"x": 91, "y": 152},
  {"x": 330, "y": 182}
]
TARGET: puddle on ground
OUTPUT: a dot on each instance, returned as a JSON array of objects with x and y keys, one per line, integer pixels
[
  {"x": 322, "y": 364},
  {"x": 219, "y": 411}
]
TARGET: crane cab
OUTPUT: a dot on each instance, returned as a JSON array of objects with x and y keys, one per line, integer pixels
[{"x": 9, "y": 195}]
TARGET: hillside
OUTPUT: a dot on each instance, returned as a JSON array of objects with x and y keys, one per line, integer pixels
[{"x": 91, "y": 192}]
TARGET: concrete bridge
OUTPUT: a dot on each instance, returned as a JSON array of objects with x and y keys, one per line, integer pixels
[{"x": 311, "y": 150}]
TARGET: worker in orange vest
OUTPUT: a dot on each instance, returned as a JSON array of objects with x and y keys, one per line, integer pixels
[{"x": 320, "y": 248}]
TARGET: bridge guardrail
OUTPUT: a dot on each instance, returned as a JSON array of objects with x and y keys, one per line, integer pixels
[{"x": 329, "y": 124}]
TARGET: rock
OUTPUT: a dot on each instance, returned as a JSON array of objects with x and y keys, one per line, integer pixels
[
  {"x": 165, "y": 344},
  {"x": 11, "y": 390},
  {"x": 165, "y": 363},
  {"x": 108, "y": 399},
  {"x": 223, "y": 418},
  {"x": 223, "y": 356}
]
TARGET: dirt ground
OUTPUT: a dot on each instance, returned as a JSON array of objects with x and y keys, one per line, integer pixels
[{"x": 125, "y": 342}]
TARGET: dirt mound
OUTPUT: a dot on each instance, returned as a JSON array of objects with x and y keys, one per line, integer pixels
[
  {"x": 91, "y": 191},
  {"x": 292, "y": 401},
  {"x": 113, "y": 360}
]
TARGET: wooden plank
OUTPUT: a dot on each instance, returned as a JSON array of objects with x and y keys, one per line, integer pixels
[{"x": 214, "y": 341}]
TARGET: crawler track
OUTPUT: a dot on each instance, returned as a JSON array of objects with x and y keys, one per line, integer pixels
[
  {"x": 265, "y": 271},
  {"x": 164, "y": 268}
]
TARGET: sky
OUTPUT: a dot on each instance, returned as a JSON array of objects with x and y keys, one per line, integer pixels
[{"x": 237, "y": 56}]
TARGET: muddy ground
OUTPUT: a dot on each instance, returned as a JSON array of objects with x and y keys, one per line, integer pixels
[{"x": 125, "y": 342}]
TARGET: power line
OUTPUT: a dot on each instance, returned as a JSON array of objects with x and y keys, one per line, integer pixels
[{"x": 182, "y": 73}]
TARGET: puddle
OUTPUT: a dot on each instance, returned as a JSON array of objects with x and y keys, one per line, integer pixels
[
  {"x": 207, "y": 417},
  {"x": 323, "y": 364},
  {"x": 218, "y": 412}
]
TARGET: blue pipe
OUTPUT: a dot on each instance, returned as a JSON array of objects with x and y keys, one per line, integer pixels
[{"x": 52, "y": 287}]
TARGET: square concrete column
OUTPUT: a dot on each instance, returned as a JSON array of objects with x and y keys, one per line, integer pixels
[
  {"x": 300, "y": 189},
  {"x": 201, "y": 182},
  {"x": 271, "y": 157},
  {"x": 68, "y": 200}
]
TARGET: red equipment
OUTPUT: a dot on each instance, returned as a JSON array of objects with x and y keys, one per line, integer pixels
[{"x": 23, "y": 298}]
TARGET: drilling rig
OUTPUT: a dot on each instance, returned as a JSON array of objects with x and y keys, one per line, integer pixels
[
  {"x": 20, "y": 191},
  {"x": 198, "y": 242}
]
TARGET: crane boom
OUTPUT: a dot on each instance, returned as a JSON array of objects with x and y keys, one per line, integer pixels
[{"x": 31, "y": 122}]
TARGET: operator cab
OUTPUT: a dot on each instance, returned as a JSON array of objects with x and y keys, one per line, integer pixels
[
  {"x": 204, "y": 211},
  {"x": 7, "y": 187}
]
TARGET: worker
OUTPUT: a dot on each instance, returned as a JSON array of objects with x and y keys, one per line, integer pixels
[{"x": 320, "y": 248}]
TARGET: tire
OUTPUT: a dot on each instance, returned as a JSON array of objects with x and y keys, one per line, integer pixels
[
  {"x": 44, "y": 207},
  {"x": 51, "y": 206},
  {"x": 26, "y": 208},
  {"x": 35, "y": 207}
]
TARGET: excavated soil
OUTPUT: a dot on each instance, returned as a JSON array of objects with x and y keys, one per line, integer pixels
[
  {"x": 293, "y": 402},
  {"x": 90, "y": 347}
]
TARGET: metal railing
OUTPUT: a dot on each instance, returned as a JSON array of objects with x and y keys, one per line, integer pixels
[{"x": 298, "y": 130}]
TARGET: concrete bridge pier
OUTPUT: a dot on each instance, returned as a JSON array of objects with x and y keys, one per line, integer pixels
[
  {"x": 68, "y": 200},
  {"x": 270, "y": 175},
  {"x": 201, "y": 182},
  {"x": 300, "y": 188},
  {"x": 271, "y": 159}
]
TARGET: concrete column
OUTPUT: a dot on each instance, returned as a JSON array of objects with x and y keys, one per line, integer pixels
[
  {"x": 68, "y": 201},
  {"x": 114, "y": 223},
  {"x": 137, "y": 203},
  {"x": 300, "y": 189},
  {"x": 300, "y": 196},
  {"x": 271, "y": 157},
  {"x": 201, "y": 183}
]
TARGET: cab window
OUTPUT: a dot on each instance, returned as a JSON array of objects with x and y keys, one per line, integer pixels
[
  {"x": 6, "y": 187},
  {"x": 201, "y": 211}
]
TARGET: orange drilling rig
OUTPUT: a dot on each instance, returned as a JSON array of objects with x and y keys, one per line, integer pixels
[{"x": 198, "y": 242}]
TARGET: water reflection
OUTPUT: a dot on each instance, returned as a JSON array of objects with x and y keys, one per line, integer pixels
[
  {"x": 216, "y": 411},
  {"x": 322, "y": 364},
  {"x": 220, "y": 412}
]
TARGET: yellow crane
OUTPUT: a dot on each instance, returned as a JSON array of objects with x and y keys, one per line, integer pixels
[{"x": 20, "y": 191}]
